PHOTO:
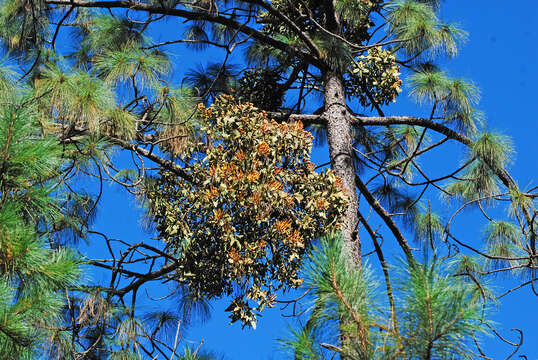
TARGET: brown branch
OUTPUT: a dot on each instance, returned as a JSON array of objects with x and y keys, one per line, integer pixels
[
  {"x": 166, "y": 269},
  {"x": 167, "y": 164},
  {"x": 385, "y": 268},
  {"x": 374, "y": 203}
]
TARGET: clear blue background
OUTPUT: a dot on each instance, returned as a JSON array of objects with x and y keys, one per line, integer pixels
[{"x": 501, "y": 58}]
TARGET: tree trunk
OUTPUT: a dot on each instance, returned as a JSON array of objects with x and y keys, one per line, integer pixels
[{"x": 341, "y": 155}]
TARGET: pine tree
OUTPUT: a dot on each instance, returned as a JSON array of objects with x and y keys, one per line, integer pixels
[
  {"x": 431, "y": 313},
  {"x": 229, "y": 186},
  {"x": 34, "y": 277}
]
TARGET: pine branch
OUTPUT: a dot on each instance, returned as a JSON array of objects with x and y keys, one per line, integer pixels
[
  {"x": 166, "y": 269},
  {"x": 167, "y": 164},
  {"x": 502, "y": 174},
  {"x": 385, "y": 268},
  {"x": 301, "y": 34},
  {"x": 374, "y": 203},
  {"x": 191, "y": 15}
]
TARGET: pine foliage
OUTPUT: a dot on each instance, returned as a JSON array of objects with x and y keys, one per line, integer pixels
[
  {"x": 435, "y": 317},
  {"x": 33, "y": 277}
]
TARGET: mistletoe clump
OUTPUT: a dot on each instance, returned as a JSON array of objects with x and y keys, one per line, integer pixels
[
  {"x": 376, "y": 74},
  {"x": 248, "y": 209}
]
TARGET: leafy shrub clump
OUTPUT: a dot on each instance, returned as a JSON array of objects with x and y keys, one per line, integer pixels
[
  {"x": 377, "y": 74},
  {"x": 248, "y": 208}
]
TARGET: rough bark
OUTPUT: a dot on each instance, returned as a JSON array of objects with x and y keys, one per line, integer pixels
[{"x": 341, "y": 155}]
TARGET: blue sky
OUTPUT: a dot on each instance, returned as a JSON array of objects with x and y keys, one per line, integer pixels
[{"x": 501, "y": 57}]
